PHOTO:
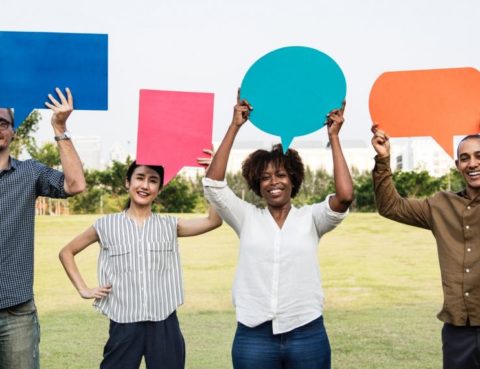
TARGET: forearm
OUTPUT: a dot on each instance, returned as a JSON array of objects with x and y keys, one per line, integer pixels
[
  {"x": 194, "y": 227},
  {"x": 341, "y": 174},
  {"x": 67, "y": 258},
  {"x": 218, "y": 167},
  {"x": 72, "y": 168},
  {"x": 390, "y": 204}
]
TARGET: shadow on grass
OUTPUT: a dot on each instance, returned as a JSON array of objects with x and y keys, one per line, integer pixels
[{"x": 404, "y": 337}]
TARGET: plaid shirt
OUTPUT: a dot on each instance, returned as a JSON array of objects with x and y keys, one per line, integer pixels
[{"x": 20, "y": 185}]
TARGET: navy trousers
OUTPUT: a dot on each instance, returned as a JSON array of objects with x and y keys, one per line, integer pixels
[
  {"x": 161, "y": 343},
  {"x": 306, "y": 347},
  {"x": 461, "y": 347}
]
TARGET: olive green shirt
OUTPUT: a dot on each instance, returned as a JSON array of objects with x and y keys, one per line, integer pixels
[{"x": 454, "y": 220}]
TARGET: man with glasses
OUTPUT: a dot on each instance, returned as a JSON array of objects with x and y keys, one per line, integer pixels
[{"x": 21, "y": 182}]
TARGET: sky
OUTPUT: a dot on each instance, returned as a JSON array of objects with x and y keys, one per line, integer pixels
[{"x": 208, "y": 45}]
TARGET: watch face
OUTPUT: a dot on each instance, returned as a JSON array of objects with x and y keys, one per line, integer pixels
[{"x": 67, "y": 134}]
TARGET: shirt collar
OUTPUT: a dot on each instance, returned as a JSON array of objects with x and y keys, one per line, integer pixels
[
  {"x": 12, "y": 164},
  {"x": 463, "y": 193}
]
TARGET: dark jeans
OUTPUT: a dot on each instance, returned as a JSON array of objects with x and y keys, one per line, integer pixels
[
  {"x": 161, "y": 343},
  {"x": 306, "y": 347},
  {"x": 19, "y": 337},
  {"x": 461, "y": 347}
]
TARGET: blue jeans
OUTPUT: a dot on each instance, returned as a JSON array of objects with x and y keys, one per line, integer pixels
[
  {"x": 306, "y": 347},
  {"x": 19, "y": 337}
]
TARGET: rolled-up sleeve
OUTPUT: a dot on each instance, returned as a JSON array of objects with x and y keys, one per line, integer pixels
[
  {"x": 231, "y": 208},
  {"x": 50, "y": 182},
  {"x": 325, "y": 218}
]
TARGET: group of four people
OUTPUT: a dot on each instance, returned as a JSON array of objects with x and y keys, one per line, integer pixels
[{"x": 277, "y": 291}]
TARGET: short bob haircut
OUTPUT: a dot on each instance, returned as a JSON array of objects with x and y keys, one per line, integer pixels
[{"x": 257, "y": 162}]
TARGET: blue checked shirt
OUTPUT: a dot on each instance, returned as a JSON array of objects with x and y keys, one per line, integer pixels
[{"x": 20, "y": 185}]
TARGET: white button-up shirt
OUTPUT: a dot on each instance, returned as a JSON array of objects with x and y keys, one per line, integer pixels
[{"x": 278, "y": 277}]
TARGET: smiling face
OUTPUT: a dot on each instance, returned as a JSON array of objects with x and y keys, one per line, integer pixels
[
  {"x": 6, "y": 130},
  {"x": 143, "y": 186},
  {"x": 468, "y": 164},
  {"x": 276, "y": 186}
]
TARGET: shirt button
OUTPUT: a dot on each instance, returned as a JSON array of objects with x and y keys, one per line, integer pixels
[
  {"x": 467, "y": 270},
  {"x": 469, "y": 207},
  {"x": 466, "y": 293},
  {"x": 469, "y": 249},
  {"x": 467, "y": 227}
]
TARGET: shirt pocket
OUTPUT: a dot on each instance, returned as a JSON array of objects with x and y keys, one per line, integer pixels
[
  {"x": 160, "y": 255},
  {"x": 120, "y": 259}
]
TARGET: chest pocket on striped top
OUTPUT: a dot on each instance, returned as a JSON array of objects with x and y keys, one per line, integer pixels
[
  {"x": 161, "y": 255},
  {"x": 120, "y": 258}
]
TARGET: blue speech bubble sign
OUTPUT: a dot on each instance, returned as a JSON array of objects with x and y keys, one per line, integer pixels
[
  {"x": 292, "y": 89},
  {"x": 34, "y": 63}
]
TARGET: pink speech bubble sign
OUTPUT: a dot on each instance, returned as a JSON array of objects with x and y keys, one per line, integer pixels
[{"x": 173, "y": 129}]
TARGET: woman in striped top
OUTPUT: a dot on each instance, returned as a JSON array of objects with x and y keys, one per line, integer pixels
[{"x": 139, "y": 275}]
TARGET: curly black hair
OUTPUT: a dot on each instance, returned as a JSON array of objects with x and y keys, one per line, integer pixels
[{"x": 257, "y": 161}]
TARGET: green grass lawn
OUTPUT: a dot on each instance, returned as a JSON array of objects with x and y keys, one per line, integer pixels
[{"x": 381, "y": 282}]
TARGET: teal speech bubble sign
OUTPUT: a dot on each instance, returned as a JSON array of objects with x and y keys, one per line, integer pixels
[{"x": 291, "y": 90}]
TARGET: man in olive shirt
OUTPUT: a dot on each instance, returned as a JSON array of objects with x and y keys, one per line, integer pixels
[{"x": 454, "y": 219}]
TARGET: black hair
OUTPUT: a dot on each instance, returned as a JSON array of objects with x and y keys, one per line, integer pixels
[
  {"x": 474, "y": 136},
  {"x": 134, "y": 165},
  {"x": 257, "y": 161}
]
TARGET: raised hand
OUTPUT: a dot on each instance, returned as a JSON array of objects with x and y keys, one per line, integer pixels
[
  {"x": 380, "y": 142},
  {"x": 206, "y": 161},
  {"x": 241, "y": 111},
  {"x": 61, "y": 109},
  {"x": 335, "y": 120}
]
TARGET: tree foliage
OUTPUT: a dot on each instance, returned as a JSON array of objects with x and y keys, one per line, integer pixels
[
  {"x": 47, "y": 154},
  {"x": 178, "y": 196},
  {"x": 24, "y": 138}
]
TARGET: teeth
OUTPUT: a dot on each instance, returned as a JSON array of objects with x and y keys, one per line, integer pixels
[
  {"x": 473, "y": 173},
  {"x": 275, "y": 191}
]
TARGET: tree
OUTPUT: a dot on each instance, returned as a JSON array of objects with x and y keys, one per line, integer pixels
[
  {"x": 416, "y": 184},
  {"x": 178, "y": 196},
  {"x": 452, "y": 181},
  {"x": 24, "y": 135},
  {"x": 47, "y": 154},
  {"x": 364, "y": 196},
  {"x": 113, "y": 178}
]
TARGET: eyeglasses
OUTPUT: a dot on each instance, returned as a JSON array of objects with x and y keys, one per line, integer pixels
[{"x": 4, "y": 124}]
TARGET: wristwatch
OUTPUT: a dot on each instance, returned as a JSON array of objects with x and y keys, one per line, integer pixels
[{"x": 64, "y": 136}]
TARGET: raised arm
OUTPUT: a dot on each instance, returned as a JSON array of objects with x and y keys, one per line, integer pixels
[
  {"x": 67, "y": 257},
  {"x": 193, "y": 227},
  {"x": 71, "y": 164},
  {"x": 218, "y": 167},
  {"x": 341, "y": 174},
  {"x": 196, "y": 226},
  {"x": 389, "y": 203}
]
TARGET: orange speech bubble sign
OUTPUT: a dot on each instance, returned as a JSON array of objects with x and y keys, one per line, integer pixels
[{"x": 440, "y": 103}]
